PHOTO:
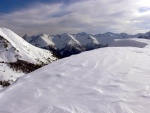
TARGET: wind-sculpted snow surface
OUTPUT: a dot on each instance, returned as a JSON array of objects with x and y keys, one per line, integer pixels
[{"x": 106, "y": 80}]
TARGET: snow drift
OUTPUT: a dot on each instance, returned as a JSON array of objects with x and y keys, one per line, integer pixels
[{"x": 107, "y": 80}]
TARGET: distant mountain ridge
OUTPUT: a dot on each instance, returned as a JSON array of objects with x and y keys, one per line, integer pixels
[{"x": 64, "y": 45}]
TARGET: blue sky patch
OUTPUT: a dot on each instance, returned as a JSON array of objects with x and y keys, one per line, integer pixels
[
  {"x": 7, "y": 6},
  {"x": 144, "y": 9}
]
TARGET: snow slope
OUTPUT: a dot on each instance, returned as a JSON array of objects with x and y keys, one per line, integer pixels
[
  {"x": 107, "y": 80},
  {"x": 14, "y": 48}
]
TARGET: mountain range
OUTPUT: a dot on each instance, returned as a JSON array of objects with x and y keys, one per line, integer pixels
[{"x": 64, "y": 45}]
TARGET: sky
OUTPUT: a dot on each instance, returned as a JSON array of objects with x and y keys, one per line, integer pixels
[{"x": 72, "y": 16}]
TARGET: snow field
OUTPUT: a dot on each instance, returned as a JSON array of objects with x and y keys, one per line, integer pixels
[{"x": 107, "y": 80}]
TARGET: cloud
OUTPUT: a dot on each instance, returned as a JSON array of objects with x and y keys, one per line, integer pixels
[{"x": 92, "y": 16}]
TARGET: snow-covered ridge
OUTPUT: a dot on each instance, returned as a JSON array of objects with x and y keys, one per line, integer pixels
[
  {"x": 26, "y": 51},
  {"x": 107, "y": 80},
  {"x": 15, "y": 51}
]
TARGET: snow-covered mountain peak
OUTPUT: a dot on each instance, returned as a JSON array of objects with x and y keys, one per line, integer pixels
[
  {"x": 25, "y": 37},
  {"x": 18, "y": 57},
  {"x": 147, "y": 34},
  {"x": 144, "y": 35},
  {"x": 82, "y": 34},
  {"x": 44, "y": 35},
  {"x": 26, "y": 51}
]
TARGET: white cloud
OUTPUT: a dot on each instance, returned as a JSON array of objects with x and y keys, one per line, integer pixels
[{"x": 92, "y": 16}]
